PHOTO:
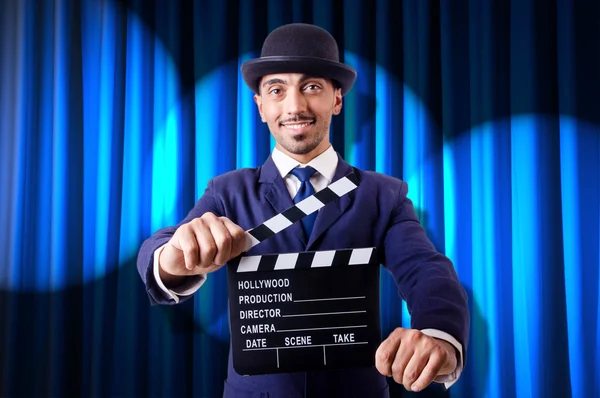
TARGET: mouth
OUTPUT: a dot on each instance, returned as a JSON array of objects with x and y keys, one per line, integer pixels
[{"x": 298, "y": 127}]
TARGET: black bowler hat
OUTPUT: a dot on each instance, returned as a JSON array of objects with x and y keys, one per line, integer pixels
[{"x": 299, "y": 48}]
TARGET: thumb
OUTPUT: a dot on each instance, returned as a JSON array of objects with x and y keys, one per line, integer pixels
[
  {"x": 172, "y": 253},
  {"x": 174, "y": 242}
]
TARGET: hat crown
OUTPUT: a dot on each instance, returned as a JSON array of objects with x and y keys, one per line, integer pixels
[{"x": 300, "y": 40}]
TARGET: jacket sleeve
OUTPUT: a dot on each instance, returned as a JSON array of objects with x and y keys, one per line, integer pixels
[
  {"x": 426, "y": 279},
  {"x": 145, "y": 261}
]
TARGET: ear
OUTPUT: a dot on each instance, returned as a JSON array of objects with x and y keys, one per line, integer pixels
[
  {"x": 337, "y": 101},
  {"x": 258, "y": 101}
]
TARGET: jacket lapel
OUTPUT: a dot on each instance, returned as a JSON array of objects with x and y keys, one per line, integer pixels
[
  {"x": 278, "y": 196},
  {"x": 329, "y": 214}
]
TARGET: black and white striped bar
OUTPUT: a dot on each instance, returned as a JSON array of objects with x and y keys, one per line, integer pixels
[
  {"x": 300, "y": 210},
  {"x": 303, "y": 260}
]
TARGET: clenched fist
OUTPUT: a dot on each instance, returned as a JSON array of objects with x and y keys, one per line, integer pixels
[
  {"x": 201, "y": 246},
  {"x": 414, "y": 359}
]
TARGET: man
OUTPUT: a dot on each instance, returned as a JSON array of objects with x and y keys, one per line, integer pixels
[{"x": 299, "y": 83}]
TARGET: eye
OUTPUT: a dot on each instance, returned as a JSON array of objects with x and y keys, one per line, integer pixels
[
  {"x": 275, "y": 91},
  {"x": 312, "y": 87}
]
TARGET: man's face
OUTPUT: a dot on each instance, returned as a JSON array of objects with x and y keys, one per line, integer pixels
[{"x": 298, "y": 110}]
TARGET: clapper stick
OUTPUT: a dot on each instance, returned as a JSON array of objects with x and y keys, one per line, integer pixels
[
  {"x": 304, "y": 311},
  {"x": 300, "y": 210}
]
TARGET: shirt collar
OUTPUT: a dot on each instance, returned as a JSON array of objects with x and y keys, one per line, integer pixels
[{"x": 325, "y": 163}]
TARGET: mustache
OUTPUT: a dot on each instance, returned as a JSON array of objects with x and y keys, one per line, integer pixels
[{"x": 299, "y": 119}]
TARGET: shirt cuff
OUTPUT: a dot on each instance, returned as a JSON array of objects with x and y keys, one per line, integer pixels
[
  {"x": 190, "y": 286},
  {"x": 452, "y": 378}
]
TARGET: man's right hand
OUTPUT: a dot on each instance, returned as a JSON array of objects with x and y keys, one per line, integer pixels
[{"x": 201, "y": 246}]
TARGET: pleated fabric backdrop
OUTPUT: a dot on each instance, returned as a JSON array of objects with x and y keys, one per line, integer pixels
[{"x": 115, "y": 114}]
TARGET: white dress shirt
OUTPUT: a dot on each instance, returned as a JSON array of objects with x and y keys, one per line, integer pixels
[{"x": 325, "y": 164}]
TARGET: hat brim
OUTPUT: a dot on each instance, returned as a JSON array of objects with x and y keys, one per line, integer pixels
[{"x": 255, "y": 69}]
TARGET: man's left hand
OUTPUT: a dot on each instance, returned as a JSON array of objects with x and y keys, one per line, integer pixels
[{"x": 414, "y": 359}]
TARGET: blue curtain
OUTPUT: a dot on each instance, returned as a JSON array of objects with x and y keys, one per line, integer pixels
[{"x": 115, "y": 114}]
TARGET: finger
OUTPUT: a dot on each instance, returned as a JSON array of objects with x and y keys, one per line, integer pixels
[
  {"x": 222, "y": 239},
  {"x": 186, "y": 240},
  {"x": 428, "y": 373},
  {"x": 386, "y": 353},
  {"x": 238, "y": 236},
  {"x": 206, "y": 245},
  {"x": 413, "y": 368},
  {"x": 403, "y": 356}
]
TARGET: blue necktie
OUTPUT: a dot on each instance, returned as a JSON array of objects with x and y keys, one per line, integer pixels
[{"x": 306, "y": 189}]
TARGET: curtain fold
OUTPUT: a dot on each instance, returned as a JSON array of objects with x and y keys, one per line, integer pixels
[{"x": 115, "y": 114}]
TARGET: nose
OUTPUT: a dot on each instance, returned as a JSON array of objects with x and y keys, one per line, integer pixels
[{"x": 295, "y": 103}]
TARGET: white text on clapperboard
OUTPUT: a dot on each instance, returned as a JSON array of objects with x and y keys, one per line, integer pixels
[{"x": 267, "y": 314}]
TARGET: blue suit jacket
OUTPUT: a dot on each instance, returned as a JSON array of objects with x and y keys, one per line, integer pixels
[{"x": 378, "y": 213}]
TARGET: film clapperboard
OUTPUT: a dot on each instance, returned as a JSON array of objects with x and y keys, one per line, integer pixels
[{"x": 304, "y": 311}]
